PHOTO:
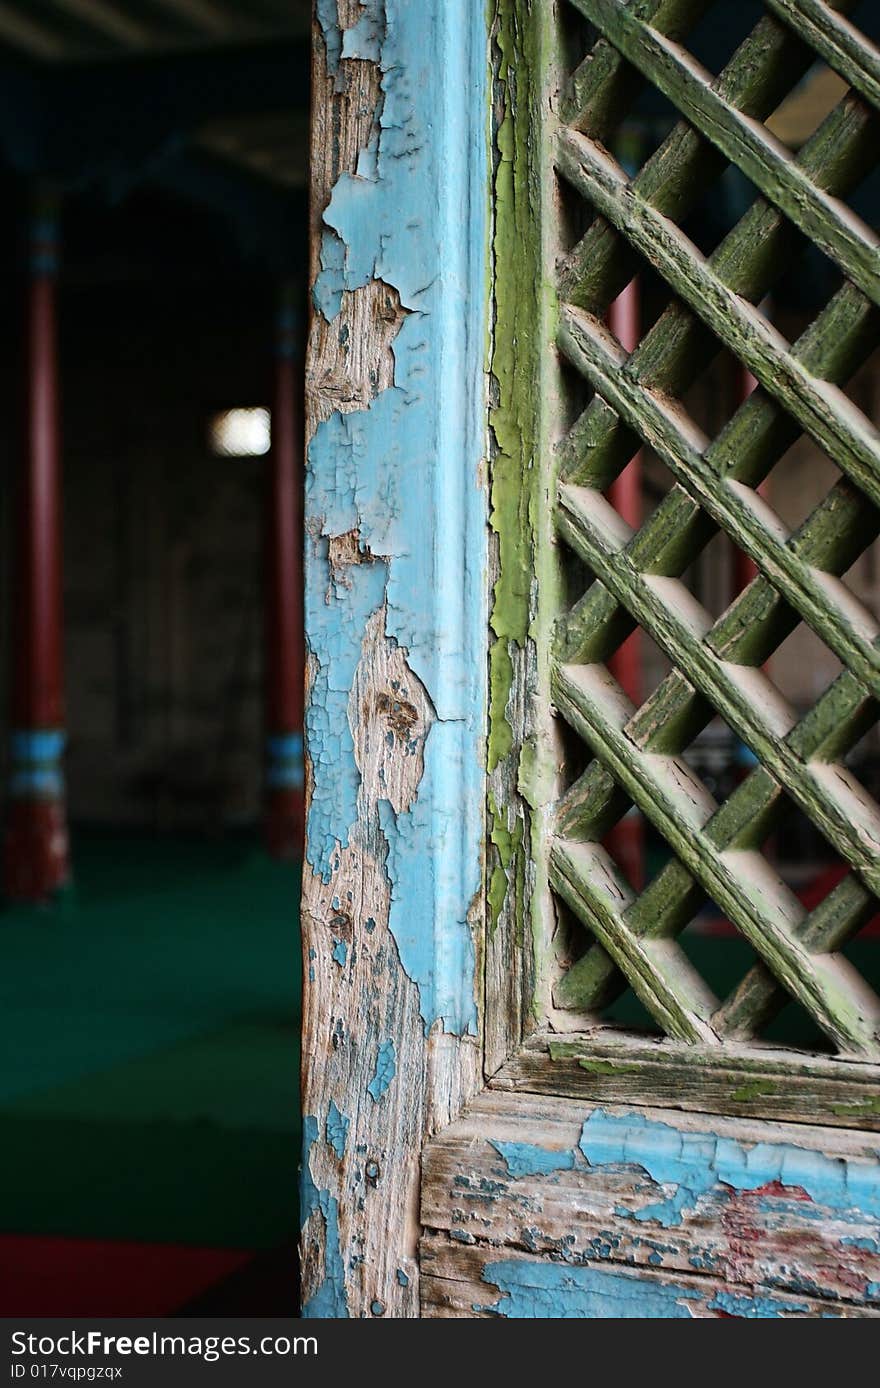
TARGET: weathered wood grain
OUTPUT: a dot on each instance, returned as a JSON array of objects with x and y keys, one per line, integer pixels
[
  {"x": 526, "y": 418},
  {"x": 458, "y": 1283},
  {"x": 672, "y": 1200},
  {"x": 391, "y": 1029},
  {"x": 611, "y": 1067}
]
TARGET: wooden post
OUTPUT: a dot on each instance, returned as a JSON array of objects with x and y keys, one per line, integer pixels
[
  {"x": 36, "y": 854},
  {"x": 285, "y": 640},
  {"x": 627, "y": 839},
  {"x": 396, "y": 614}
]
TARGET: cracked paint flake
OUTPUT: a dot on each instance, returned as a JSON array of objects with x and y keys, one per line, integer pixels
[
  {"x": 404, "y": 475},
  {"x": 386, "y": 1069},
  {"x": 327, "y": 12},
  {"x": 336, "y": 1129},
  {"x": 693, "y": 1164},
  {"x": 528, "y": 1159},
  {"x": 751, "y": 1307},
  {"x": 540, "y": 1291},
  {"x": 329, "y": 1301}
]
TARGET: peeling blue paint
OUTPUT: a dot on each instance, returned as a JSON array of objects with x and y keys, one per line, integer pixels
[
  {"x": 337, "y": 1129},
  {"x": 364, "y": 38},
  {"x": 558, "y": 1291},
  {"x": 404, "y": 475},
  {"x": 329, "y": 1301},
  {"x": 327, "y": 12},
  {"x": 754, "y": 1307},
  {"x": 867, "y": 1245},
  {"x": 528, "y": 1159},
  {"x": 340, "y": 952},
  {"x": 328, "y": 733},
  {"x": 386, "y": 1069},
  {"x": 328, "y": 289},
  {"x": 402, "y": 1278},
  {"x": 695, "y": 1163}
]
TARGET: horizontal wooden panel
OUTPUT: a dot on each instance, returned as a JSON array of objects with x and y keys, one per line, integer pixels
[
  {"x": 723, "y": 1209},
  {"x": 609, "y": 1066}
]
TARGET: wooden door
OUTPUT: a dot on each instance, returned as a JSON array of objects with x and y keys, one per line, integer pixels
[{"x": 488, "y": 1129}]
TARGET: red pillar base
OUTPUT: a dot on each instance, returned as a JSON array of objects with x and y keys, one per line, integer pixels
[
  {"x": 284, "y": 825},
  {"x": 285, "y": 801},
  {"x": 36, "y": 851}
]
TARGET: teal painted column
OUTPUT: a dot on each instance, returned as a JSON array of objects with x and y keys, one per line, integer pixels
[{"x": 396, "y": 626}]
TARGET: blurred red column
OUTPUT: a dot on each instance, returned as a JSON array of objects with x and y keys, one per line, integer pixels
[
  {"x": 285, "y": 636},
  {"x": 36, "y": 850},
  {"x": 744, "y": 568},
  {"x": 626, "y": 841}
]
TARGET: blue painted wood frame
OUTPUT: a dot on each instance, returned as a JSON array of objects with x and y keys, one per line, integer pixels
[{"x": 396, "y": 622}]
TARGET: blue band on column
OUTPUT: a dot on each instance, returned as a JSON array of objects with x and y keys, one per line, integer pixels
[
  {"x": 288, "y": 332},
  {"x": 284, "y": 761},
  {"x": 35, "y": 755}
]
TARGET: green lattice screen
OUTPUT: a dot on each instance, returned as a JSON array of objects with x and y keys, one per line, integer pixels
[{"x": 635, "y": 578}]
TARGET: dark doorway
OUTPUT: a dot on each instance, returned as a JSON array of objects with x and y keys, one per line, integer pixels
[{"x": 149, "y": 1094}]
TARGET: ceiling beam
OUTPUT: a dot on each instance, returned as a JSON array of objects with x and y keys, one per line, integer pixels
[
  {"x": 30, "y": 35},
  {"x": 108, "y": 19}
]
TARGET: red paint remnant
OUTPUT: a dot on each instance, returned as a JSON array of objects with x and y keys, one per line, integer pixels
[
  {"x": 777, "y": 1188},
  {"x": 285, "y": 636}
]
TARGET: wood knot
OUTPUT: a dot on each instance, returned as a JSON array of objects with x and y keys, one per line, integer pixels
[{"x": 400, "y": 715}]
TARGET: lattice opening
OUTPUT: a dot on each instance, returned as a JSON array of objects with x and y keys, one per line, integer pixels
[
  {"x": 776, "y": 655},
  {"x": 804, "y": 109},
  {"x": 800, "y": 480},
  {"x": 720, "y": 32},
  {"x": 803, "y": 668}
]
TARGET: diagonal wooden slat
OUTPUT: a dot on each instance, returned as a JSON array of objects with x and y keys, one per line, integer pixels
[
  {"x": 839, "y": 42},
  {"x": 740, "y": 880},
  {"x": 605, "y": 85},
  {"x": 756, "y": 622},
  {"x": 744, "y": 696},
  {"x": 744, "y": 820},
  {"x": 821, "y": 409},
  {"x": 587, "y": 878},
  {"x": 766, "y": 66},
  {"x": 836, "y": 156},
  {"x": 637, "y": 573},
  {"x": 758, "y": 998},
  {"x": 749, "y": 260},
  {"x": 834, "y": 345},
  {"x": 843, "y": 236},
  {"x": 821, "y": 599}
]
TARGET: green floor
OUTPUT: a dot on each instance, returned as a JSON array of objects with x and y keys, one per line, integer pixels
[{"x": 149, "y": 1035}]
